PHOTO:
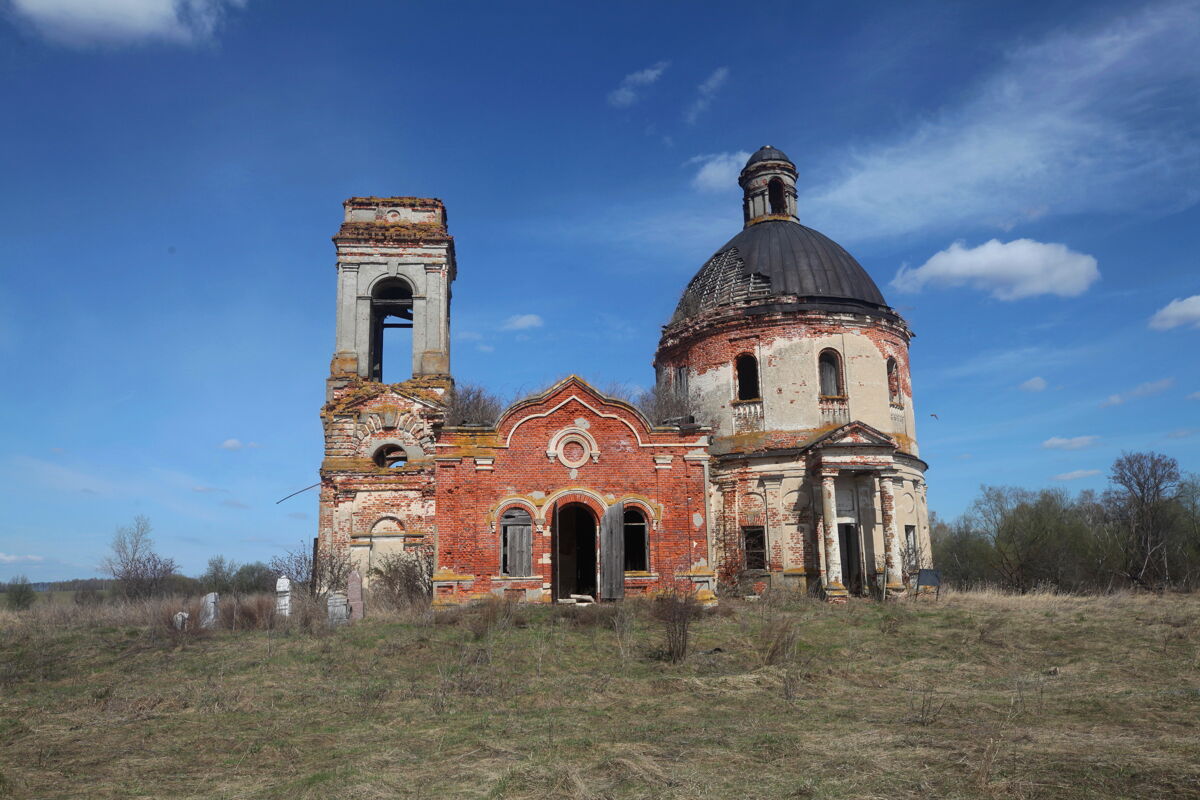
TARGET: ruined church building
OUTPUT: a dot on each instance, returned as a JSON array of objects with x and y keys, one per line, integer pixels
[{"x": 797, "y": 468}]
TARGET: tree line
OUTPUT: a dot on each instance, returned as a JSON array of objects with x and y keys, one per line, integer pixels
[{"x": 1142, "y": 531}]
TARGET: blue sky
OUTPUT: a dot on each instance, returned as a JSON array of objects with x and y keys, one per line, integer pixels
[{"x": 1020, "y": 179}]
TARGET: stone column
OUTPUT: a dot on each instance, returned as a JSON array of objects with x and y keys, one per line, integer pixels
[
  {"x": 891, "y": 537},
  {"x": 346, "y": 317},
  {"x": 773, "y": 519},
  {"x": 834, "y": 588},
  {"x": 925, "y": 553}
]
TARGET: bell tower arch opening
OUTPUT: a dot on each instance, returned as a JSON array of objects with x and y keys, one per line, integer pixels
[{"x": 391, "y": 330}]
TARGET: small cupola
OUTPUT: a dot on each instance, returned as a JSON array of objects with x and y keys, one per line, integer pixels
[{"x": 768, "y": 184}]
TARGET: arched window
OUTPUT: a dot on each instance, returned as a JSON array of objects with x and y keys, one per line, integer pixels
[
  {"x": 830, "y": 369},
  {"x": 777, "y": 197},
  {"x": 516, "y": 543},
  {"x": 391, "y": 309},
  {"x": 893, "y": 381},
  {"x": 747, "y": 377},
  {"x": 637, "y": 543},
  {"x": 390, "y": 456}
]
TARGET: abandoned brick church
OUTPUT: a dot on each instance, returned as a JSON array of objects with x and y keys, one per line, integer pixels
[{"x": 796, "y": 465}]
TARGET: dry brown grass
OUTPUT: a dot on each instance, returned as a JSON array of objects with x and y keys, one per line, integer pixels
[{"x": 1064, "y": 697}]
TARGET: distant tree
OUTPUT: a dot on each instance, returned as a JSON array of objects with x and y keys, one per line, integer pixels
[
  {"x": 960, "y": 551},
  {"x": 1143, "y": 503},
  {"x": 19, "y": 595},
  {"x": 665, "y": 405},
  {"x": 219, "y": 576},
  {"x": 139, "y": 571},
  {"x": 254, "y": 577},
  {"x": 470, "y": 404}
]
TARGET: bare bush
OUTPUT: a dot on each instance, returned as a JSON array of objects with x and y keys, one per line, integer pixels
[
  {"x": 492, "y": 615},
  {"x": 666, "y": 405},
  {"x": 676, "y": 609},
  {"x": 470, "y": 404},
  {"x": 403, "y": 581},
  {"x": 777, "y": 641},
  {"x": 140, "y": 572},
  {"x": 248, "y": 612},
  {"x": 316, "y": 575},
  {"x": 19, "y": 595}
]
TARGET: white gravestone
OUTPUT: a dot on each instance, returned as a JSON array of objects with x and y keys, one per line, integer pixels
[
  {"x": 208, "y": 610},
  {"x": 283, "y": 596},
  {"x": 181, "y": 620},
  {"x": 354, "y": 595},
  {"x": 339, "y": 608}
]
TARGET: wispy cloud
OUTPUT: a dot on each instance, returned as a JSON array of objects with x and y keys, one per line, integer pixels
[
  {"x": 1185, "y": 311},
  {"x": 1008, "y": 270},
  {"x": 1141, "y": 390},
  {"x": 206, "y": 489},
  {"x": 1076, "y": 475},
  {"x": 1096, "y": 119},
  {"x": 627, "y": 92},
  {"x": 1194, "y": 396},
  {"x": 9, "y": 558},
  {"x": 297, "y": 515},
  {"x": 1037, "y": 384},
  {"x": 705, "y": 93},
  {"x": 522, "y": 322},
  {"x": 231, "y": 503},
  {"x": 717, "y": 172},
  {"x": 1181, "y": 433},
  {"x": 1072, "y": 443},
  {"x": 469, "y": 336},
  {"x": 237, "y": 444},
  {"x": 79, "y": 23}
]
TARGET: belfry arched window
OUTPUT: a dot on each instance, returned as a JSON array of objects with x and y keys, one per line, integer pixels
[
  {"x": 893, "y": 382},
  {"x": 776, "y": 196},
  {"x": 391, "y": 309},
  {"x": 747, "y": 377},
  {"x": 829, "y": 368}
]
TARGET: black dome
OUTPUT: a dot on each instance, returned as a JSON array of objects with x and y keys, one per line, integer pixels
[
  {"x": 781, "y": 257},
  {"x": 767, "y": 153}
]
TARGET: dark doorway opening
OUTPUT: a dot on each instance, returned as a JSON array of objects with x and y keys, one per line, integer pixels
[
  {"x": 574, "y": 551},
  {"x": 852, "y": 575}
]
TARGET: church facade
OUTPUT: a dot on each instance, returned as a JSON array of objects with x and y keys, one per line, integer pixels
[{"x": 794, "y": 462}]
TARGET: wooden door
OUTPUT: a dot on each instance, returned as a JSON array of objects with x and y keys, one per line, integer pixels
[{"x": 612, "y": 553}]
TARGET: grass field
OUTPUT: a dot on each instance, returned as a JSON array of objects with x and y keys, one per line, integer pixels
[{"x": 978, "y": 695}]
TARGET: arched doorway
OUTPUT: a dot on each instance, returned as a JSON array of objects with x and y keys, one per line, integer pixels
[{"x": 574, "y": 541}]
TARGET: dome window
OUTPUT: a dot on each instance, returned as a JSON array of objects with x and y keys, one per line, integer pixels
[
  {"x": 747, "y": 378},
  {"x": 830, "y": 373},
  {"x": 893, "y": 382},
  {"x": 776, "y": 197}
]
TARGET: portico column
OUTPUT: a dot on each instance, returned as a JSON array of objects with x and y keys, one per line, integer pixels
[
  {"x": 891, "y": 537},
  {"x": 923, "y": 557},
  {"x": 833, "y": 546}
]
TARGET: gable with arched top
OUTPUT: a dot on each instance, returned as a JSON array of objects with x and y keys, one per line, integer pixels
[{"x": 561, "y": 395}]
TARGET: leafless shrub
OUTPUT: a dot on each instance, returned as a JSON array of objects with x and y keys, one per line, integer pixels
[
  {"x": 316, "y": 574},
  {"x": 403, "y": 581},
  {"x": 492, "y": 615},
  {"x": 989, "y": 628},
  {"x": 470, "y": 404},
  {"x": 252, "y": 612},
  {"x": 665, "y": 405},
  {"x": 776, "y": 643},
  {"x": 19, "y": 594},
  {"x": 676, "y": 609},
  {"x": 889, "y": 623},
  {"x": 163, "y": 627},
  {"x": 87, "y": 596},
  {"x": 925, "y": 706},
  {"x": 140, "y": 572}
]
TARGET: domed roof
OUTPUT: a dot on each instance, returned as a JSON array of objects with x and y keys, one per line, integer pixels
[
  {"x": 767, "y": 153},
  {"x": 781, "y": 257}
]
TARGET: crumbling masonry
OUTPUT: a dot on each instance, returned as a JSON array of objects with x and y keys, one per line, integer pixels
[{"x": 795, "y": 466}]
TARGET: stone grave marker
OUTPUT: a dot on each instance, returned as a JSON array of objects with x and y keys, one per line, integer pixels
[
  {"x": 338, "y": 607},
  {"x": 181, "y": 620},
  {"x": 209, "y": 610},
  {"x": 283, "y": 596}
]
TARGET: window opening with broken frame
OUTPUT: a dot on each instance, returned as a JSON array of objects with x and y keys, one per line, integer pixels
[{"x": 754, "y": 546}]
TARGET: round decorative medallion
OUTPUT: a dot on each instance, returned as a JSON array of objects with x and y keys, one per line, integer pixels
[{"x": 573, "y": 451}]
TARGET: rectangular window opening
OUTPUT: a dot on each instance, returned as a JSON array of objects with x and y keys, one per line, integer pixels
[{"x": 754, "y": 543}]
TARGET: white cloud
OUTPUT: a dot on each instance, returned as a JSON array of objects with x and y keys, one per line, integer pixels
[
  {"x": 1141, "y": 390},
  {"x": 1076, "y": 475},
  {"x": 1178, "y": 312},
  {"x": 232, "y": 444},
  {"x": 115, "y": 22},
  {"x": 1194, "y": 396},
  {"x": 718, "y": 172},
  {"x": 1181, "y": 433},
  {"x": 8, "y": 558},
  {"x": 1096, "y": 119},
  {"x": 1033, "y": 385},
  {"x": 705, "y": 93},
  {"x": 206, "y": 489},
  {"x": 231, "y": 503},
  {"x": 485, "y": 348},
  {"x": 521, "y": 322},
  {"x": 626, "y": 93},
  {"x": 469, "y": 336},
  {"x": 1009, "y": 270},
  {"x": 1073, "y": 443}
]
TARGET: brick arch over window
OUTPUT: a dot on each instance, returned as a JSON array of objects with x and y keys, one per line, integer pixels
[
  {"x": 746, "y": 368},
  {"x": 387, "y": 524},
  {"x": 376, "y": 421}
]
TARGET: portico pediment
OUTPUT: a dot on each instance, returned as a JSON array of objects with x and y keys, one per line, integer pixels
[{"x": 855, "y": 434}]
